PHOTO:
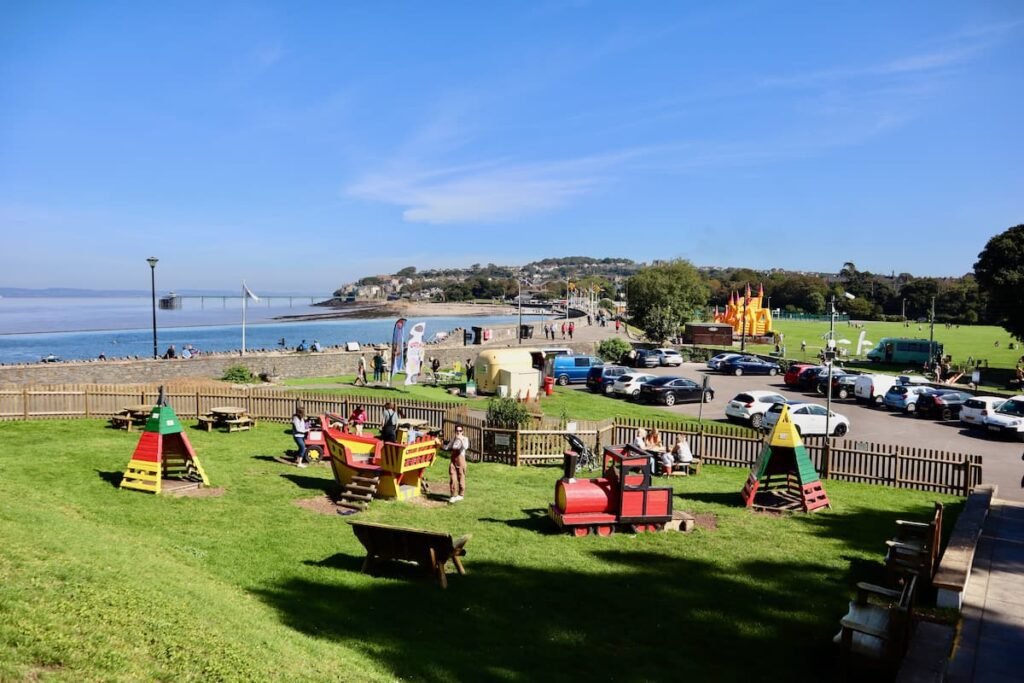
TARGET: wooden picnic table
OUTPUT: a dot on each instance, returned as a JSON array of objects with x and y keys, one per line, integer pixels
[
  {"x": 131, "y": 416},
  {"x": 411, "y": 422},
  {"x": 231, "y": 417},
  {"x": 228, "y": 412}
]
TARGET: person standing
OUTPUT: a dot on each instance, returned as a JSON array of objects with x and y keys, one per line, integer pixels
[
  {"x": 389, "y": 425},
  {"x": 357, "y": 419},
  {"x": 458, "y": 447},
  {"x": 470, "y": 370},
  {"x": 378, "y": 367},
  {"x": 572, "y": 328},
  {"x": 300, "y": 427},
  {"x": 361, "y": 372}
]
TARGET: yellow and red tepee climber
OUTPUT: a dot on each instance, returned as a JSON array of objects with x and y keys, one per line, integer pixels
[
  {"x": 163, "y": 452},
  {"x": 785, "y": 466}
]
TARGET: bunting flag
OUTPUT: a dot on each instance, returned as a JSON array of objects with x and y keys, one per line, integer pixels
[
  {"x": 248, "y": 292},
  {"x": 398, "y": 347},
  {"x": 246, "y": 295}
]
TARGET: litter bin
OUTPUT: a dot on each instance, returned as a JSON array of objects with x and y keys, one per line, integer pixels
[
  {"x": 549, "y": 386},
  {"x": 478, "y": 335},
  {"x": 526, "y": 331}
]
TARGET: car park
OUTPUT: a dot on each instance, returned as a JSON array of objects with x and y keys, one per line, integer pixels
[
  {"x": 904, "y": 397},
  {"x": 808, "y": 418},
  {"x": 1007, "y": 418},
  {"x": 793, "y": 373},
  {"x": 977, "y": 408},
  {"x": 750, "y": 406},
  {"x": 716, "y": 360},
  {"x": 628, "y": 385},
  {"x": 600, "y": 378},
  {"x": 672, "y": 390},
  {"x": 871, "y": 388},
  {"x": 748, "y": 365},
  {"x": 668, "y": 357},
  {"x": 943, "y": 404}
]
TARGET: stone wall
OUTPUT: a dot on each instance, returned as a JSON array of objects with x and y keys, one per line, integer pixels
[{"x": 281, "y": 363}]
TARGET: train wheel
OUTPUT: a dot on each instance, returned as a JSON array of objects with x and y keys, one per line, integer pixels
[
  {"x": 314, "y": 453},
  {"x": 580, "y": 531},
  {"x": 604, "y": 530}
]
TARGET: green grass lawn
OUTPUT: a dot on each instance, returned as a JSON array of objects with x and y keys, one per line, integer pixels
[
  {"x": 960, "y": 342},
  {"x": 102, "y": 584}
]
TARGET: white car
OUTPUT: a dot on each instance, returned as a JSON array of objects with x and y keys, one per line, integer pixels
[
  {"x": 975, "y": 410},
  {"x": 750, "y": 406},
  {"x": 668, "y": 357},
  {"x": 717, "y": 360},
  {"x": 809, "y": 419},
  {"x": 1008, "y": 418},
  {"x": 628, "y": 385}
]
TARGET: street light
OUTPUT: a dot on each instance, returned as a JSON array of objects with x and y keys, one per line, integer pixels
[
  {"x": 830, "y": 356},
  {"x": 152, "y": 288},
  {"x": 520, "y": 283}
]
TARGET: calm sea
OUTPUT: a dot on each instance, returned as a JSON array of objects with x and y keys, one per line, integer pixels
[{"x": 83, "y": 328}]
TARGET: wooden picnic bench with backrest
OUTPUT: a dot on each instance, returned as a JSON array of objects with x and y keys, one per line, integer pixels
[
  {"x": 876, "y": 629},
  {"x": 430, "y": 549},
  {"x": 122, "y": 421},
  {"x": 915, "y": 547}
]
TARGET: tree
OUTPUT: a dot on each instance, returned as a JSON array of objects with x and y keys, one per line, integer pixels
[
  {"x": 1000, "y": 275},
  {"x": 663, "y": 297},
  {"x": 407, "y": 272}
]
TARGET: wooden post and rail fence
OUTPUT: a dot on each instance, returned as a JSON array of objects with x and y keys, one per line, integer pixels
[{"x": 543, "y": 442}]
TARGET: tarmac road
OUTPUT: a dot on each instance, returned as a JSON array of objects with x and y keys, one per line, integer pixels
[{"x": 1002, "y": 459}]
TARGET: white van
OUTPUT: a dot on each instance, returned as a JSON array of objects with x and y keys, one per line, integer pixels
[{"x": 871, "y": 389}]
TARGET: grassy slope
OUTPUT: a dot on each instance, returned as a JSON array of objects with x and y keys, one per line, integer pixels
[{"x": 100, "y": 584}]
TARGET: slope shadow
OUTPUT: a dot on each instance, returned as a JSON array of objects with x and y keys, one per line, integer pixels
[
  {"x": 327, "y": 486},
  {"x": 536, "y": 520},
  {"x": 112, "y": 478}
]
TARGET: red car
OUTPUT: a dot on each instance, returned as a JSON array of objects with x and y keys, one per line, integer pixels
[{"x": 794, "y": 371}]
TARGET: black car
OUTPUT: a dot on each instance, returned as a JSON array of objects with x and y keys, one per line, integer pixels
[
  {"x": 673, "y": 390},
  {"x": 748, "y": 365},
  {"x": 842, "y": 384},
  {"x": 944, "y": 404},
  {"x": 600, "y": 378},
  {"x": 808, "y": 377}
]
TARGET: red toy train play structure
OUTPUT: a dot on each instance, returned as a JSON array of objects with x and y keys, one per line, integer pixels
[{"x": 622, "y": 498}]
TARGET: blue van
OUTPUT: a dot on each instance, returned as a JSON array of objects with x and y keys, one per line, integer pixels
[{"x": 571, "y": 369}]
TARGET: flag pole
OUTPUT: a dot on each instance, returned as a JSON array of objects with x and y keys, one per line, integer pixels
[{"x": 244, "y": 302}]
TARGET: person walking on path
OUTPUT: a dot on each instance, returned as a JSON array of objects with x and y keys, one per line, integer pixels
[
  {"x": 457, "y": 469},
  {"x": 389, "y": 425},
  {"x": 378, "y": 367},
  {"x": 357, "y": 419},
  {"x": 563, "y": 330},
  {"x": 572, "y": 328},
  {"x": 300, "y": 426},
  {"x": 361, "y": 372},
  {"x": 616, "y": 326}
]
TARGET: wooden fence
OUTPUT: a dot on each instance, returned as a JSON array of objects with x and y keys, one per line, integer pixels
[{"x": 718, "y": 444}]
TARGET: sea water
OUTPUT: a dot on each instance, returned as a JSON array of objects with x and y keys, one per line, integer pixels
[{"x": 83, "y": 328}]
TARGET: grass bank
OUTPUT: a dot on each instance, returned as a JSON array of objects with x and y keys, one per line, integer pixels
[{"x": 102, "y": 584}]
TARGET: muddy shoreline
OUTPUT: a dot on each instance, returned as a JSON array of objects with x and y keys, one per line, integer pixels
[{"x": 392, "y": 309}]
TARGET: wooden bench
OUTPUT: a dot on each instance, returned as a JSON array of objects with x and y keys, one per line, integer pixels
[
  {"x": 207, "y": 422},
  {"x": 955, "y": 567},
  {"x": 429, "y": 549},
  {"x": 876, "y": 629},
  {"x": 915, "y": 547},
  {"x": 240, "y": 424},
  {"x": 122, "y": 421}
]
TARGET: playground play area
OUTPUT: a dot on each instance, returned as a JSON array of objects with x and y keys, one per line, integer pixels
[{"x": 102, "y": 583}]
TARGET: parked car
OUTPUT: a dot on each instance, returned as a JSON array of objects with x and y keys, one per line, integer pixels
[
  {"x": 566, "y": 369},
  {"x": 871, "y": 388},
  {"x": 1008, "y": 418},
  {"x": 842, "y": 384},
  {"x": 809, "y": 418},
  {"x": 715, "y": 360},
  {"x": 944, "y": 404},
  {"x": 790, "y": 378},
  {"x": 807, "y": 380},
  {"x": 629, "y": 385},
  {"x": 600, "y": 378},
  {"x": 904, "y": 397},
  {"x": 641, "y": 358},
  {"x": 750, "y": 406},
  {"x": 977, "y": 408},
  {"x": 668, "y": 357},
  {"x": 672, "y": 390},
  {"x": 748, "y": 365}
]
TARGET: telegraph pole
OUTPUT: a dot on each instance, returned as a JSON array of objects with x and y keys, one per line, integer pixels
[{"x": 931, "y": 334}]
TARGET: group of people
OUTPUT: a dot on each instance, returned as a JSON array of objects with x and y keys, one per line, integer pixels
[
  {"x": 551, "y": 330},
  {"x": 672, "y": 460},
  {"x": 188, "y": 351},
  {"x": 457, "y": 447}
]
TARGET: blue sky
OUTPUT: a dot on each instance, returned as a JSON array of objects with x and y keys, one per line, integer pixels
[{"x": 302, "y": 145}]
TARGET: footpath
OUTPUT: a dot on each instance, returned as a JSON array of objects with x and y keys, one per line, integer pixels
[{"x": 991, "y": 643}]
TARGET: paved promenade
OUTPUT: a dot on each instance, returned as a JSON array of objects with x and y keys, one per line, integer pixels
[{"x": 991, "y": 643}]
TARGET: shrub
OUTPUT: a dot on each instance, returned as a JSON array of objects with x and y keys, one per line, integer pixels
[
  {"x": 239, "y": 374},
  {"x": 613, "y": 349},
  {"x": 507, "y": 413}
]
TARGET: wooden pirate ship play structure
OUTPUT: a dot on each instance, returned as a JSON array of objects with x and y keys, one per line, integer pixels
[
  {"x": 784, "y": 478},
  {"x": 163, "y": 461}
]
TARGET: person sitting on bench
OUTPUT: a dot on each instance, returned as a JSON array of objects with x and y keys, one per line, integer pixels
[{"x": 680, "y": 457}]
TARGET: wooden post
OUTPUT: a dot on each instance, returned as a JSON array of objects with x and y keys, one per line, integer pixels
[
  {"x": 967, "y": 475},
  {"x": 24, "y": 402},
  {"x": 197, "y": 405},
  {"x": 85, "y": 395},
  {"x": 826, "y": 459},
  {"x": 518, "y": 445}
]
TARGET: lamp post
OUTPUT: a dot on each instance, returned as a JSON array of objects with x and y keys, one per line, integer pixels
[
  {"x": 931, "y": 334},
  {"x": 830, "y": 357},
  {"x": 152, "y": 288},
  {"x": 743, "y": 330},
  {"x": 520, "y": 283}
]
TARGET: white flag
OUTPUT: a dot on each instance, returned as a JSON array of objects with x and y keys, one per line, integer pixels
[{"x": 248, "y": 292}]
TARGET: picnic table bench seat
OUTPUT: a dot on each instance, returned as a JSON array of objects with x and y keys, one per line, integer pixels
[
  {"x": 207, "y": 422},
  {"x": 240, "y": 423},
  {"x": 122, "y": 421},
  {"x": 915, "y": 547},
  {"x": 876, "y": 628},
  {"x": 429, "y": 549}
]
